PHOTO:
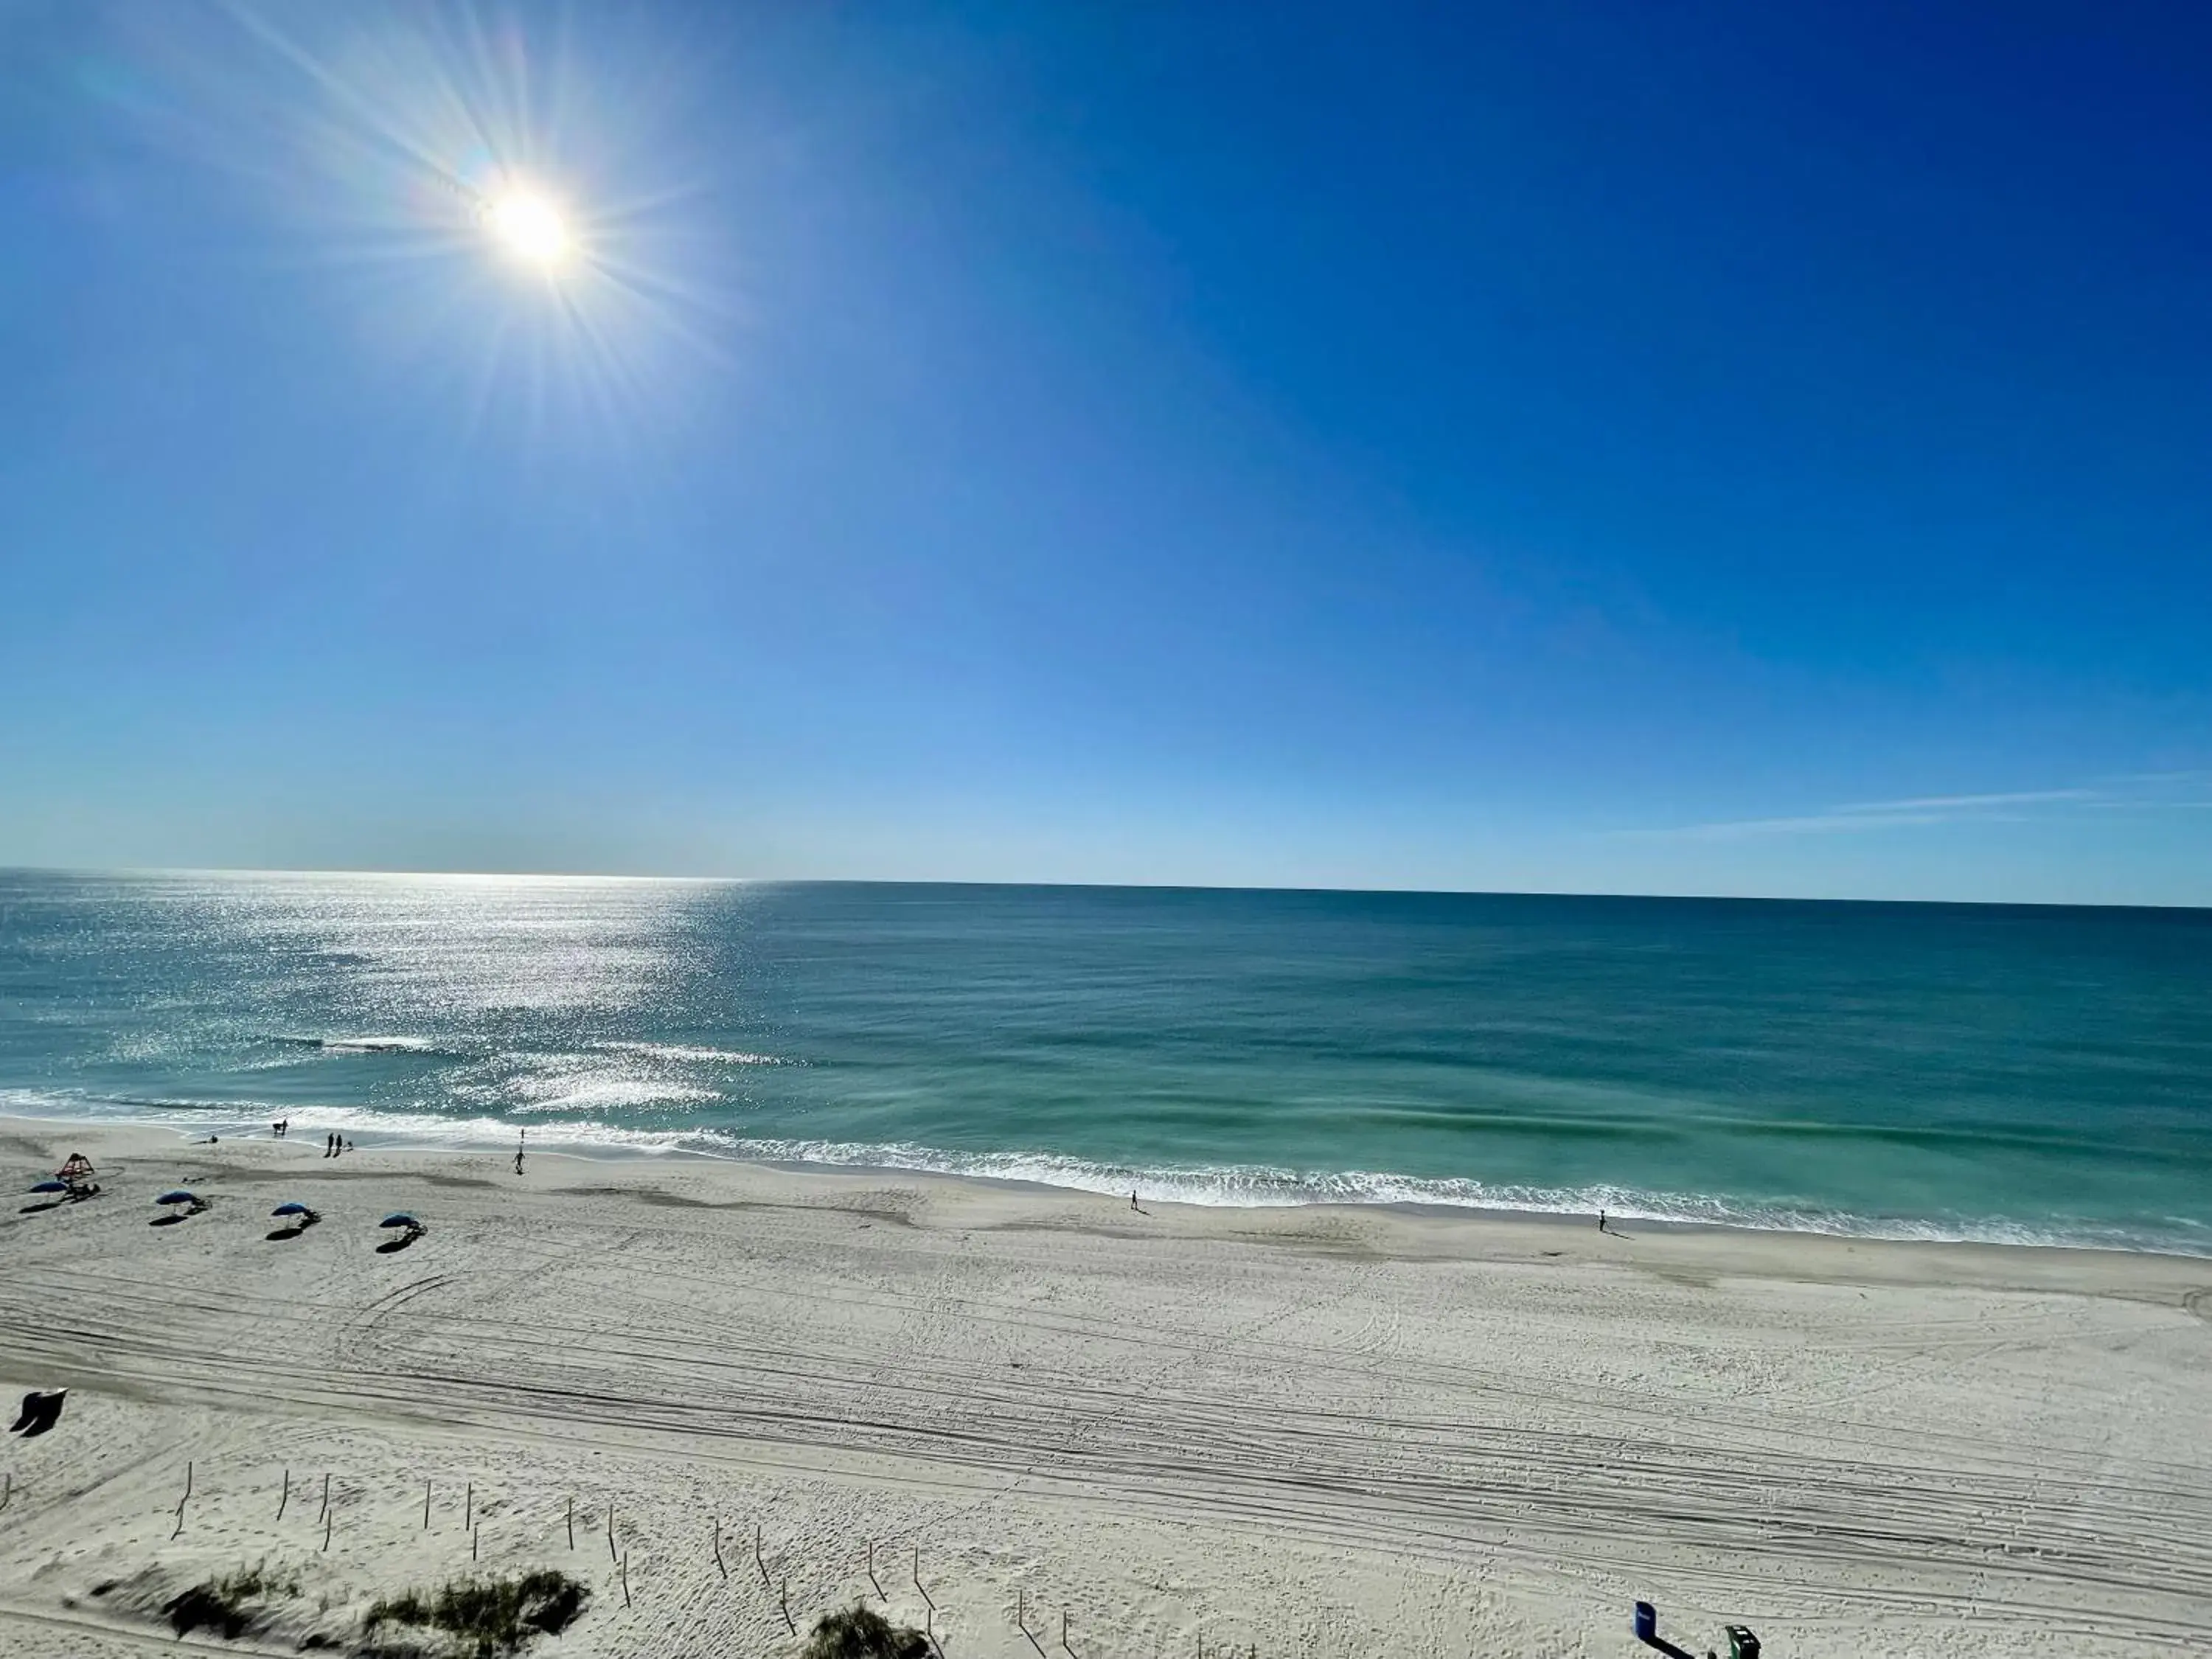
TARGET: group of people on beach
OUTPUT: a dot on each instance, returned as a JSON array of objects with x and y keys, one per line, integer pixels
[{"x": 333, "y": 1144}]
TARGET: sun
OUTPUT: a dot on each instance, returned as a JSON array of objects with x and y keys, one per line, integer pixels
[{"x": 530, "y": 228}]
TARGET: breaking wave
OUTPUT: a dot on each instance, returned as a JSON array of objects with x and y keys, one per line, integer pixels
[
  {"x": 367, "y": 1045},
  {"x": 1245, "y": 1185}
]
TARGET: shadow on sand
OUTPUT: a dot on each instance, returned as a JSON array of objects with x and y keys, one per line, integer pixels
[
  {"x": 41, "y": 1411},
  {"x": 393, "y": 1246}
]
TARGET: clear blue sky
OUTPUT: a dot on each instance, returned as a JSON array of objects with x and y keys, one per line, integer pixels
[{"x": 1707, "y": 448}]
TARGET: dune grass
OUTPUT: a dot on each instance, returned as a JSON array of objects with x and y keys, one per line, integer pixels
[
  {"x": 231, "y": 1604},
  {"x": 859, "y": 1632},
  {"x": 487, "y": 1617}
]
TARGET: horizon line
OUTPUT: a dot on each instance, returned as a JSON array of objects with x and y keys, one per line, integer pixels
[{"x": 552, "y": 875}]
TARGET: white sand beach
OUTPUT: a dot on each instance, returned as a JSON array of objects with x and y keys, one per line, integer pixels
[{"x": 1310, "y": 1431}]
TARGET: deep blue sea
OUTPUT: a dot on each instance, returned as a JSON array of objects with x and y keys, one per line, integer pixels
[{"x": 1954, "y": 1072}]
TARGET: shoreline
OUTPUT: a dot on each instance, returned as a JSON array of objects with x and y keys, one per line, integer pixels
[
  {"x": 431, "y": 1140},
  {"x": 1396, "y": 1231}
]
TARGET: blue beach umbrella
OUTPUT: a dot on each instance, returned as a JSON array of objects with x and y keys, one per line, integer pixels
[
  {"x": 291, "y": 1209},
  {"x": 177, "y": 1195},
  {"x": 399, "y": 1218},
  {"x": 51, "y": 1187}
]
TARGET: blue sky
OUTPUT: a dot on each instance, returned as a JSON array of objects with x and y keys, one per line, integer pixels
[{"x": 1598, "y": 447}]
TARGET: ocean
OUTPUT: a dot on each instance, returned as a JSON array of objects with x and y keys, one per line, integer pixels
[{"x": 2029, "y": 1074}]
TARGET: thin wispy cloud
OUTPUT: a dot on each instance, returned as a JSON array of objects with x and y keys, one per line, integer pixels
[
  {"x": 1835, "y": 821},
  {"x": 1965, "y": 803},
  {"x": 2138, "y": 790}
]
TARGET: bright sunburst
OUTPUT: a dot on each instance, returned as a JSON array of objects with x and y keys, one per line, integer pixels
[
  {"x": 530, "y": 228},
  {"x": 431, "y": 157}
]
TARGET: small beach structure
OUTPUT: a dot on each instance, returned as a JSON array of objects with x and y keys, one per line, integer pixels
[
  {"x": 181, "y": 1201},
  {"x": 299, "y": 1215},
  {"x": 405, "y": 1225},
  {"x": 73, "y": 1181}
]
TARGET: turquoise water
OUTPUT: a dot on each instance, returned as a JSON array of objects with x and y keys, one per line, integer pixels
[{"x": 2035, "y": 1074}]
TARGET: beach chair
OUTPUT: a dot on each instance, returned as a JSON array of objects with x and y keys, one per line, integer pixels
[{"x": 1742, "y": 1644}]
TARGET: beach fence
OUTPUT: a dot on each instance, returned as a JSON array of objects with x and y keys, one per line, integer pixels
[{"x": 786, "y": 1594}]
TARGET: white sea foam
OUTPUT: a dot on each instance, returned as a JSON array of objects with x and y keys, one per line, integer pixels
[
  {"x": 605, "y": 1093},
  {"x": 1229, "y": 1186}
]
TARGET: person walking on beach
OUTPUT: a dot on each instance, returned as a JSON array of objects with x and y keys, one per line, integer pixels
[
  {"x": 330, "y": 1145},
  {"x": 1600, "y": 1221},
  {"x": 524, "y": 1136}
]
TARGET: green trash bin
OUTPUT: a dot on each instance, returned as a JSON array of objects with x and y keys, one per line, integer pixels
[{"x": 1742, "y": 1644}]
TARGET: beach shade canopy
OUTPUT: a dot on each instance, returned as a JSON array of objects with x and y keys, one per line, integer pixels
[
  {"x": 177, "y": 1195},
  {"x": 399, "y": 1218},
  {"x": 51, "y": 1187},
  {"x": 291, "y": 1209}
]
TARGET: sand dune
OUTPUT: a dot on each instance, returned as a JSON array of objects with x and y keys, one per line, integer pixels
[{"x": 1321, "y": 1431}]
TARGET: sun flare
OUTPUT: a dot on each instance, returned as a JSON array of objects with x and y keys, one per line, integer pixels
[{"x": 530, "y": 228}]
